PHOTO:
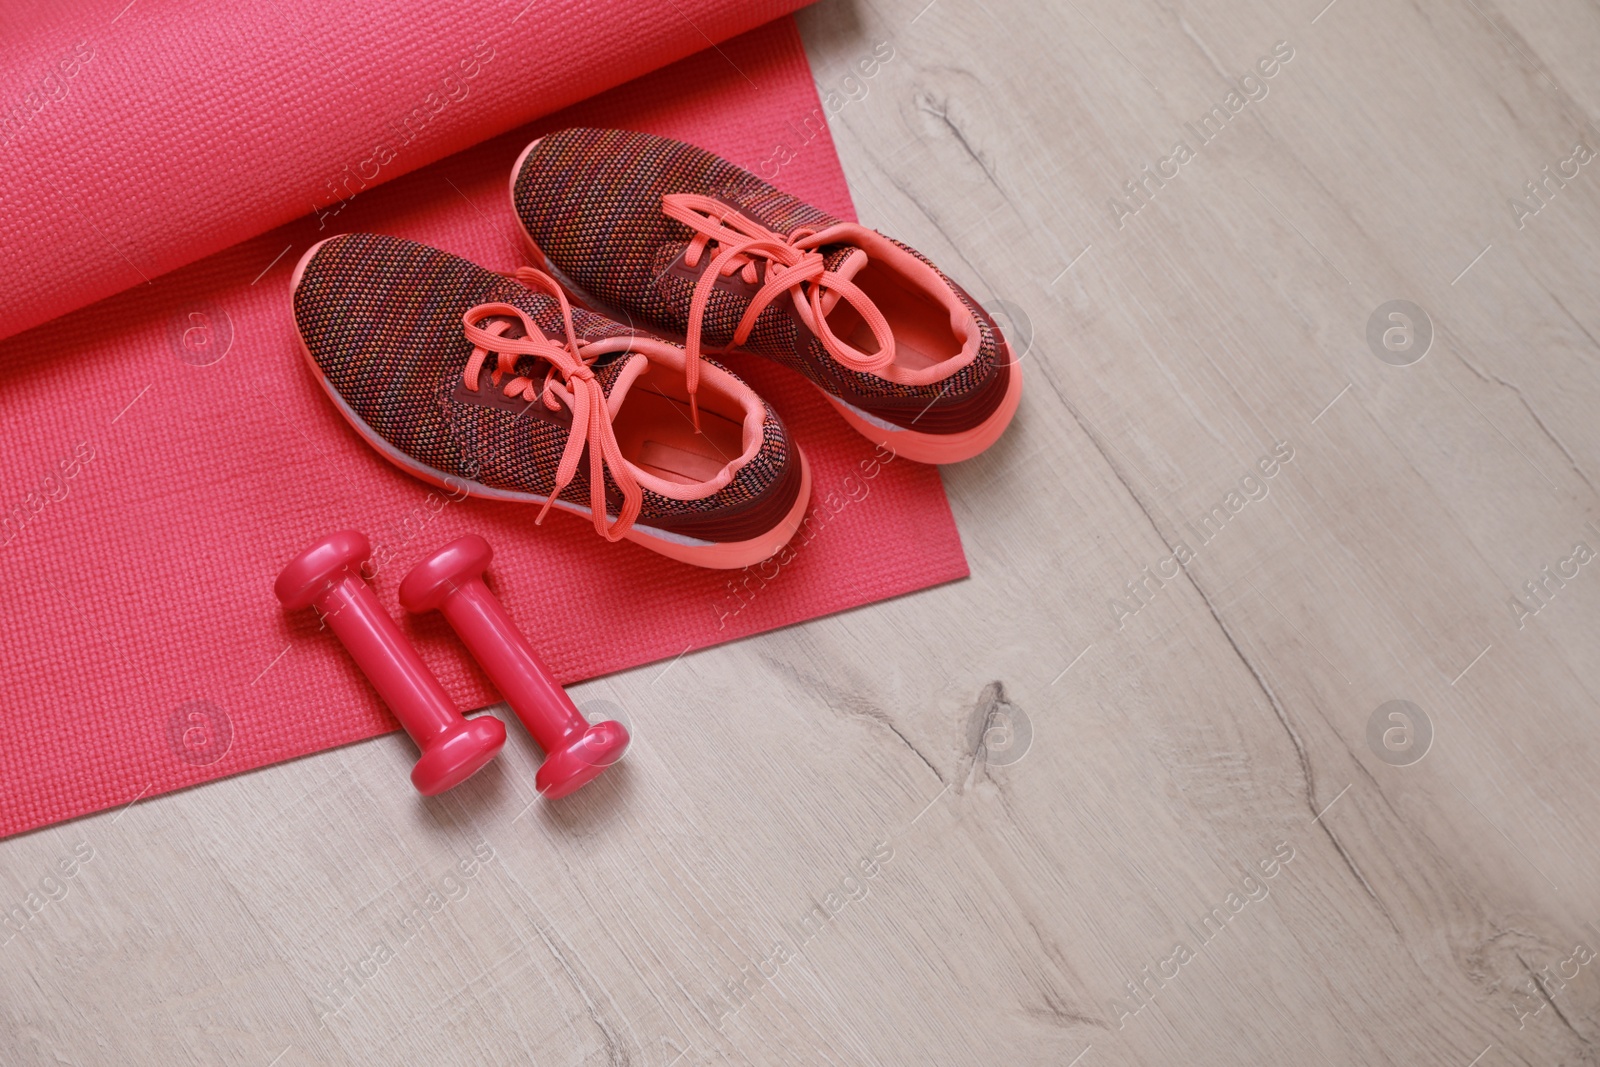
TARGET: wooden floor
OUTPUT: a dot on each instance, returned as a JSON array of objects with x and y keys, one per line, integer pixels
[{"x": 1136, "y": 793}]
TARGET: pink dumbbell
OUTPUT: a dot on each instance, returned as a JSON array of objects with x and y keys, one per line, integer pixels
[
  {"x": 451, "y": 580},
  {"x": 453, "y": 746}
]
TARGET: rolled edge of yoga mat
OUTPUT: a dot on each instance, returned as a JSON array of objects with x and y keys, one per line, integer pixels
[{"x": 136, "y": 138}]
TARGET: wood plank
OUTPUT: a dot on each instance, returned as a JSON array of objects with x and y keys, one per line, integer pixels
[{"x": 974, "y": 825}]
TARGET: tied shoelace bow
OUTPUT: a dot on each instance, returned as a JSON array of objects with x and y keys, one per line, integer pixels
[
  {"x": 793, "y": 266},
  {"x": 591, "y": 418}
]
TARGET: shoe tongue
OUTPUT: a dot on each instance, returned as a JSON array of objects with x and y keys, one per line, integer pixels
[
  {"x": 614, "y": 373},
  {"x": 846, "y": 261},
  {"x": 617, "y": 377}
]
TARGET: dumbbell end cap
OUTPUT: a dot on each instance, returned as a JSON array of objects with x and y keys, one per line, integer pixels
[
  {"x": 310, "y": 573},
  {"x": 566, "y": 770},
  {"x": 458, "y": 755},
  {"x": 430, "y": 581}
]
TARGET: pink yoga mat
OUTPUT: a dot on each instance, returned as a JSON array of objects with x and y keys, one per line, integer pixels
[
  {"x": 167, "y": 452},
  {"x": 136, "y": 137}
]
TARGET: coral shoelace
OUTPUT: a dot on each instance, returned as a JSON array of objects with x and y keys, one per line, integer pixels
[
  {"x": 793, "y": 266},
  {"x": 591, "y": 418}
]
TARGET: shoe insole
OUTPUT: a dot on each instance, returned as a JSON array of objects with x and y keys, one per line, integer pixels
[
  {"x": 657, "y": 434},
  {"x": 921, "y": 325},
  {"x": 677, "y": 464}
]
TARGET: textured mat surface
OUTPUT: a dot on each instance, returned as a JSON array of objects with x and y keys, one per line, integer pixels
[
  {"x": 141, "y": 136},
  {"x": 167, "y": 452}
]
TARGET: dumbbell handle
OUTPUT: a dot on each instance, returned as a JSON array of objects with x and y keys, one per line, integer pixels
[
  {"x": 405, "y": 683},
  {"x": 512, "y": 664}
]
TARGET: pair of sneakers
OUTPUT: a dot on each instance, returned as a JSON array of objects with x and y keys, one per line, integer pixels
[{"x": 585, "y": 382}]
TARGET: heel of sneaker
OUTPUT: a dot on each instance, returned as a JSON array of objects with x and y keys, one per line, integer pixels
[
  {"x": 733, "y": 555},
  {"x": 940, "y": 447}
]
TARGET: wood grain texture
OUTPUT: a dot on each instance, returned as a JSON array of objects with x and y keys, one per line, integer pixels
[{"x": 1088, "y": 807}]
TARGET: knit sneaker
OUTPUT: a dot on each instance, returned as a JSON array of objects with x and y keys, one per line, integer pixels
[
  {"x": 661, "y": 231},
  {"x": 494, "y": 386}
]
